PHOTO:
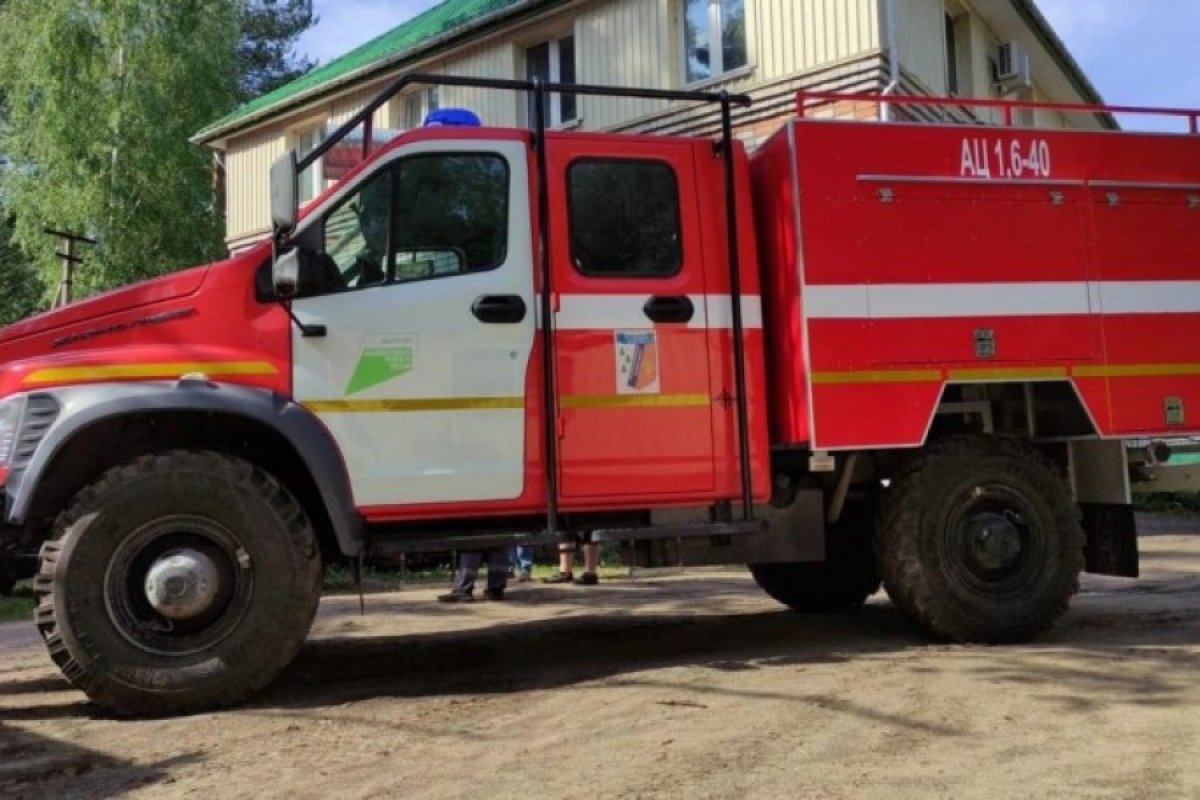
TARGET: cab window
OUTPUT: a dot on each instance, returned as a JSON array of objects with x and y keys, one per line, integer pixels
[
  {"x": 427, "y": 216},
  {"x": 623, "y": 217},
  {"x": 451, "y": 215},
  {"x": 356, "y": 234}
]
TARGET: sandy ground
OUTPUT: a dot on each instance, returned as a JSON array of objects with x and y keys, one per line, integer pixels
[{"x": 696, "y": 687}]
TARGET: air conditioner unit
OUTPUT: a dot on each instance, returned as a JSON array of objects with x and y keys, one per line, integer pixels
[{"x": 1013, "y": 70}]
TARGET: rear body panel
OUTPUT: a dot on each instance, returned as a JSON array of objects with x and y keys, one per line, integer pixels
[{"x": 924, "y": 255}]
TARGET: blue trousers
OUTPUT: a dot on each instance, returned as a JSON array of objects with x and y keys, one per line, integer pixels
[
  {"x": 468, "y": 569},
  {"x": 523, "y": 556}
]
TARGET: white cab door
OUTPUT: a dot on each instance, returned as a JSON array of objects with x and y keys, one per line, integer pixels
[{"x": 424, "y": 283}]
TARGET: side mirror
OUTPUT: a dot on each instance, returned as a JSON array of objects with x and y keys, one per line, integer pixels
[
  {"x": 285, "y": 193},
  {"x": 285, "y": 274}
]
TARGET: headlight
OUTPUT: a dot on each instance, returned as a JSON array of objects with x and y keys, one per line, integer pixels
[{"x": 10, "y": 420}]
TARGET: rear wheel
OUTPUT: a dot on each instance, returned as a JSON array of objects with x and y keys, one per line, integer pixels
[
  {"x": 981, "y": 541},
  {"x": 178, "y": 582},
  {"x": 842, "y": 582}
]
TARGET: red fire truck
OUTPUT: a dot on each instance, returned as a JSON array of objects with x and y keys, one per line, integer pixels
[{"x": 905, "y": 354}]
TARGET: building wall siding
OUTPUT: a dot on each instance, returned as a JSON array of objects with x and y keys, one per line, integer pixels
[
  {"x": 625, "y": 43},
  {"x": 793, "y": 35},
  {"x": 247, "y": 188},
  {"x": 639, "y": 43},
  {"x": 921, "y": 31},
  {"x": 498, "y": 60}
]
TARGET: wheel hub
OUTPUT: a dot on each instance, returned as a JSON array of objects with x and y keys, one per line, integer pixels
[
  {"x": 183, "y": 584},
  {"x": 993, "y": 542}
]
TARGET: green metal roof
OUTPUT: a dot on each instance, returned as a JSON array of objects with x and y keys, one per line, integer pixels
[{"x": 444, "y": 18}]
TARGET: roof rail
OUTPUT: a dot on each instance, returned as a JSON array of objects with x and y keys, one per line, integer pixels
[{"x": 806, "y": 100}]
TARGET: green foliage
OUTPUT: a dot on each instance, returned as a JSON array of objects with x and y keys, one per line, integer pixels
[
  {"x": 101, "y": 97},
  {"x": 270, "y": 29},
  {"x": 22, "y": 290},
  {"x": 19, "y": 607},
  {"x": 1185, "y": 502}
]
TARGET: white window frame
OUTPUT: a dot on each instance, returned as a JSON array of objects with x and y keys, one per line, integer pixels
[
  {"x": 716, "y": 45},
  {"x": 426, "y": 101},
  {"x": 555, "y": 107},
  {"x": 311, "y": 182}
]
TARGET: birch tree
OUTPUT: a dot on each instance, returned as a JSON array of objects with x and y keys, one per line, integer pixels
[{"x": 101, "y": 97}]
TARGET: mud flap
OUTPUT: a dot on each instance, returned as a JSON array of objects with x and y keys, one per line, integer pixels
[
  {"x": 1112, "y": 547},
  {"x": 795, "y": 533}
]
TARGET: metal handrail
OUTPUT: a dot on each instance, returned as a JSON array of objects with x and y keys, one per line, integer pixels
[{"x": 1007, "y": 106}]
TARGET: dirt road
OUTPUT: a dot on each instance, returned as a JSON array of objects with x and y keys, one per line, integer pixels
[{"x": 691, "y": 687}]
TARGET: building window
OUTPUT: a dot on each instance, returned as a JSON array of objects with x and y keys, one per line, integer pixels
[
  {"x": 714, "y": 38},
  {"x": 554, "y": 62},
  {"x": 623, "y": 218},
  {"x": 312, "y": 180},
  {"x": 419, "y": 105},
  {"x": 952, "y": 82}
]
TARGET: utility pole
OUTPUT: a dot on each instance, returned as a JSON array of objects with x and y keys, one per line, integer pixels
[{"x": 69, "y": 259}]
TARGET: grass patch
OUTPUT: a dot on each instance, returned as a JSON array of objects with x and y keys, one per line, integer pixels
[
  {"x": 1177, "y": 502},
  {"x": 339, "y": 578},
  {"x": 19, "y": 606}
]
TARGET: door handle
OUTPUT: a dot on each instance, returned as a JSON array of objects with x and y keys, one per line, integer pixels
[
  {"x": 499, "y": 309},
  {"x": 670, "y": 309}
]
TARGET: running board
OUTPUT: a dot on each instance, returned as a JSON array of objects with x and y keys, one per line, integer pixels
[
  {"x": 698, "y": 530},
  {"x": 396, "y": 545}
]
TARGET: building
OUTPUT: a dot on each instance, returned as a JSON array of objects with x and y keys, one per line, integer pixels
[{"x": 767, "y": 48}]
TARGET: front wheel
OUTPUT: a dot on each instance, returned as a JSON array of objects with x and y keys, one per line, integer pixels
[
  {"x": 176, "y": 583},
  {"x": 980, "y": 541}
]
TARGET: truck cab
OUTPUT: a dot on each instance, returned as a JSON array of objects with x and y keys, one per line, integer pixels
[{"x": 421, "y": 271}]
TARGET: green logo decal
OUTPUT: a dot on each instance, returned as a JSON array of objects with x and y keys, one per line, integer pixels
[{"x": 382, "y": 358}]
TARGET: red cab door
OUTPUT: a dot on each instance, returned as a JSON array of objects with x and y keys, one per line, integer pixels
[{"x": 633, "y": 383}]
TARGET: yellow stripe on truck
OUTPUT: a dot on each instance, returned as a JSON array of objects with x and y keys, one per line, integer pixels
[
  {"x": 484, "y": 403},
  {"x": 1026, "y": 373},
  {"x": 413, "y": 404},
  {"x": 879, "y": 376},
  {"x": 1016, "y": 374},
  {"x": 1137, "y": 370},
  {"x": 634, "y": 400},
  {"x": 169, "y": 370}
]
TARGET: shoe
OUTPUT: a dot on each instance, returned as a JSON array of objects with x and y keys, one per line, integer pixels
[
  {"x": 494, "y": 595},
  {"x": 525, "y": 577},
  {"x": 560, "y": 577},
  {"x": 588, "y": 579},
  {"x": 456, "y": 597}
]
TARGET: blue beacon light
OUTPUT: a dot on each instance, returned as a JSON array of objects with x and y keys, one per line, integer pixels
[{"x": 453, "y": 118}]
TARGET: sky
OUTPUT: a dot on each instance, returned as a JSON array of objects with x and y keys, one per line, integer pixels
[{"x": 1136, "y": 52}]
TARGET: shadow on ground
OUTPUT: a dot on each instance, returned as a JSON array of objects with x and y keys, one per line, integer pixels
[
  {"x": 1116, "y": 646},
  {"x": 33, "y": 766}
]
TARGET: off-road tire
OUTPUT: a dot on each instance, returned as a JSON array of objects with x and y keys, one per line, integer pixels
[
  {"x": 841, "y": 583},
  {"x": 279, "y": 560},
  {"x": 924, "y": 554}
]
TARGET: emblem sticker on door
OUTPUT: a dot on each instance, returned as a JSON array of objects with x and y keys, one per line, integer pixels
[
  {"x": 637, "y": 362},
  {"x": 383, "y": 358}
]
